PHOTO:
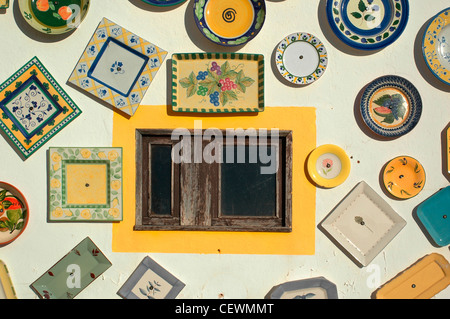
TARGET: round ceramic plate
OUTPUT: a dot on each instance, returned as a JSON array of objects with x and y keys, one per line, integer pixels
[
  {"x": 328, "y": 166},
  {"x": 164, "y": 3},
  {"x": 230, "y": 22},
  {"x": 368, "y": 24},
  {"x": 404, "y": 177},
  {"x": 301, "y": 58},
  {"x": 13, "y": 213},
  {"x": 54, "y": 17},
  {"x": 391, "y": 106},
  {"x": 436, "y": 46}
]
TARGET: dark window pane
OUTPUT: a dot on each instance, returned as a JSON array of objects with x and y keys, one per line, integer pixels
[
  {"x": 244, "y": 190},
  {"x": 161, "y": 179}
]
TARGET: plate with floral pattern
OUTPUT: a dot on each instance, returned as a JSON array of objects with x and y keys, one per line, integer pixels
[
  {"x": 164, "y": 3},
  {"x": 368, "y": 24},
  {"x": 391, "y": 106},
  {"x": 436, "y": 46},
  {"x": 404, "y": 177},
  {"x": 301, "y": 58}
]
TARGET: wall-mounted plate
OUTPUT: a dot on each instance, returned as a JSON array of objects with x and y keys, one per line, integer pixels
[
  {"x": 14, "y": 213},
  {"x": 7, "y": 290},
  {"x": 164, "y": 3},
  {"x": 404, "y": 177},
  {"x": 312, "y": 288}
]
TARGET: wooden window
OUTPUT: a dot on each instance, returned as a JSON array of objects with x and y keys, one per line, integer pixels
[{"x": 229, "y": 193}]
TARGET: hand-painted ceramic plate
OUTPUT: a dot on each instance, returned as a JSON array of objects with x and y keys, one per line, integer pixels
[
  {"x": 13, "y": 213},
  {"x": 6, "y": 287},
  {"x": 328, "y": 165},
  {"x": 54, "y": 17},
  {"x": 164, "y": 3},
  {"x": 436, "y": 46},
  {"x": 301, "y": 58},
  {"x": 311, "y": 288},
  {"x": 230, "y": 22},
  {"x": 404, "y": 177},
  {"x": 391, "y": 106},
  {"x": 368, "y": 24}
]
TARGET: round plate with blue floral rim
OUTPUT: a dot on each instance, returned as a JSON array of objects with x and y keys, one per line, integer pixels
[
  {"x": 368, "y": 24},
  {"x": 230, "y": 22},
  {"x": 164, "y": 3},
  {"x": 391, "y": 106}
]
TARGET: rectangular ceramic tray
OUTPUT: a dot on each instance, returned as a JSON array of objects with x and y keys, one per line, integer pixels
[
  {"x": 6, "y": 287},
  {"x": 363, "y": 223},
  {"x": 73, "y": 273},
  {"x": 217, "y": 82}
]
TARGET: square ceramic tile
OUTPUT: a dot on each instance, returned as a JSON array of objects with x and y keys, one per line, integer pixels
[
  {"x": 117, "y": 67},
  {"x": 85, "y": 184},
  {"x": 33, "y": 108}
]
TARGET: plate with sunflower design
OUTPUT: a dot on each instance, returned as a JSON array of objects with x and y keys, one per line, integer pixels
[
  {"x": 164, "y": 3},
  {"x": 368, "y": 24},
  {"x": 404, "y": 177},
  {"x": 391, "y": 106}
]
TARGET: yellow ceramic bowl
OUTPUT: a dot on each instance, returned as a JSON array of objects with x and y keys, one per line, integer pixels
[
  {"x": 404, "y": 177},
  {"x": 328, "y": 166}
]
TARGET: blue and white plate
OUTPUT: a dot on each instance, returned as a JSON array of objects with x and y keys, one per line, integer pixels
[
  {"x": 164, "y": 3},
  {"x": 368, "y": 24}
]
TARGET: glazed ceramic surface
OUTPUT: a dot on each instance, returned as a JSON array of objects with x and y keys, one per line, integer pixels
[
  {"x": 73, "y": 273},
  {"x": 151, "y": 281},
  {"x": 7, "y": 290},
  {"x": 363, "y": 223},
  {"x": 368, "y": 24},
  {"x": 164, "y": 3},
  {"x": 436, "y": 46},
  {"x": 448, "y": 150},
  {"x": 117, "y": 67},
  {"x": 391, "y": 106},
  {"x": 301, "y": 58},
  {"x": 218, "y": 82},
  {"x": 85, "y": 184},
  {"x": 312, "y": 288},
  {"x": 328, "y": 165},
  {"x": 33, "y": 108},
  {"x": 231, "y": 22},
  {"x": 4, "y": 4},
  {"x": 13, "y": 213},
  {"x": 54, "y": 17},
  {"x": 404, "y": 177}
]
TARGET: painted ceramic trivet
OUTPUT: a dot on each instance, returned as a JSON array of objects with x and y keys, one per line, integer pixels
[
  {"x": 368, "y": 24},
  {"x": 404, "y": 177},
  {"x": 312, "y": 288},
  {"x": 13, "y": 213},
  {"x": 301, "y": 58},
  {"x": 436, "y": 46},
  {"x": 54, "y": 17},
  {"x": 217, "y": 82},
  {"x": 117, "y": 67},
  {"x": 85, "y": 184},
  {"x": 231, "y": 22},
  {"x": 7, "y": 290},
  {"x": 363, "y": 224},
  {"x": 328, "y": 165},
  {"x": 434, "y": 214},
  {"x": 391, "y": 106},
  {"x": 164, "y": 3},
  {"x": 151, "y": 281},
  {"x": 33, "y": 108},
  {"x": 73, "y": 273},
  {"x": 4, "y": 4}
]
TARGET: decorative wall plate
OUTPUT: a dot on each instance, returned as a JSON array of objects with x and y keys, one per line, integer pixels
[
  {"x": 368, "y": 24},
  {"x": 164, "y": 3},
  {"x": 301, "y": 58},
  {"x": 422, "y": 280},
  {"x": 4, "y": 4},
  {"x": 328, "y": 165},
  {"x": 6, "y": 287},
  {"x": 363, "y": 224},
  {"x": 85, "y": 184},
  {"x": 117, "y": 67},
  {"x": 434, "y": 214},
  {"x": 217, "y": 82},
  {"x": 54, "y": 17},
  {"x": 404, "y": 177},
  {"x": 391, "y": 106},
  {"x": 151, "y": 281},
  {"x": 14, "y": 213},
  {"x": 73, "y": 273},
  {"x": 33, "y": 108},
  {"x": 231, "y": 22},
  {"x": 436, "y": 46},
  {"x": 312, "y": 288}
]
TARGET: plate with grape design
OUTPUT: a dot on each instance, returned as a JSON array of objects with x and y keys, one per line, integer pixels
[
  {"x": 391, "y": 106},
  {"x": 404, "y": 177}
]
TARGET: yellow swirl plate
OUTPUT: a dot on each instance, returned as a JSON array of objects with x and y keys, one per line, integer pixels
[{"x": 404, "y": 177}]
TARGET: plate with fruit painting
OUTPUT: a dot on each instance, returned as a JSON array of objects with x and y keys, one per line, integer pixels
[
  {"x": 217, "y": 82},
  {"x": 404, "y": 177},
  {"x": 54, "y": 17},
  {"x": 391, "y": 106},
  {"x": 13, "y": 213}
]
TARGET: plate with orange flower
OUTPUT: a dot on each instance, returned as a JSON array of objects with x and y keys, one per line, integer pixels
[
  {"x": 54, "y": 17},
  {"x": 404, "y": 177},
  {"x": 328, "y": 166}
]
